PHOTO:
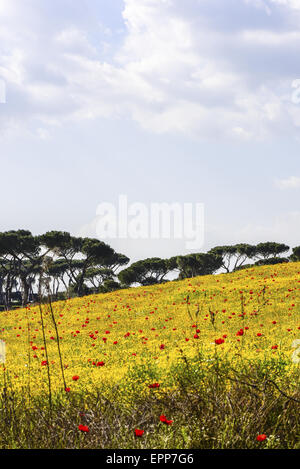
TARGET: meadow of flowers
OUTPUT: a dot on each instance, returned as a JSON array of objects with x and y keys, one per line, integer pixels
[{"x": 229, "y": 338}]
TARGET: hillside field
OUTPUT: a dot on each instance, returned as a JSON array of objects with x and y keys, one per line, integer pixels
[{"x": 207, "y": 362}]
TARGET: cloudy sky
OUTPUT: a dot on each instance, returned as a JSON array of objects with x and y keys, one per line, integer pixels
[{"x": 160, "y": 100}]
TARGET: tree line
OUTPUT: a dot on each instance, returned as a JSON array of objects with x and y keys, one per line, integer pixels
[
  {"x": 228, "y": 258},
  {"x": 76, "y": 266}
]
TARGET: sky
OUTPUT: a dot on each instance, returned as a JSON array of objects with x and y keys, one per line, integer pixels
[{"x": 163, "y": 101}]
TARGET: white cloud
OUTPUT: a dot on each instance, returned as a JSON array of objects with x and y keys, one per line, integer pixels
[
  {"x": 43, "y": 134},
  {"x": 294, "y": 4},
  {"x": 260, "y": 4},
  {"x": 74, "y": 41},
  {"x": 292, "y": 182},
  {"x": 176, "y": 71},
  {"x": 270, "y": 38}
]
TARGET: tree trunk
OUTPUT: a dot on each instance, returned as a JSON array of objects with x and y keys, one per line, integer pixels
[
  {"x": 8, "y": 290},
  {"x": 81, "y": 281},
  {"x": 25, "y": 291}
]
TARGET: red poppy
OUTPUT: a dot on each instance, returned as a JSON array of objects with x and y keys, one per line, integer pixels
[
  {"x": 83, "y": 428},
  {"x": 261, "y": 437},
  {"x": 75, "y": 378},
  {"x": 219, "y": 341},
  {"x": 154, "y": 385},
  {"x": 139, "y": 432},
  {"x": 164, "y": 419}
]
